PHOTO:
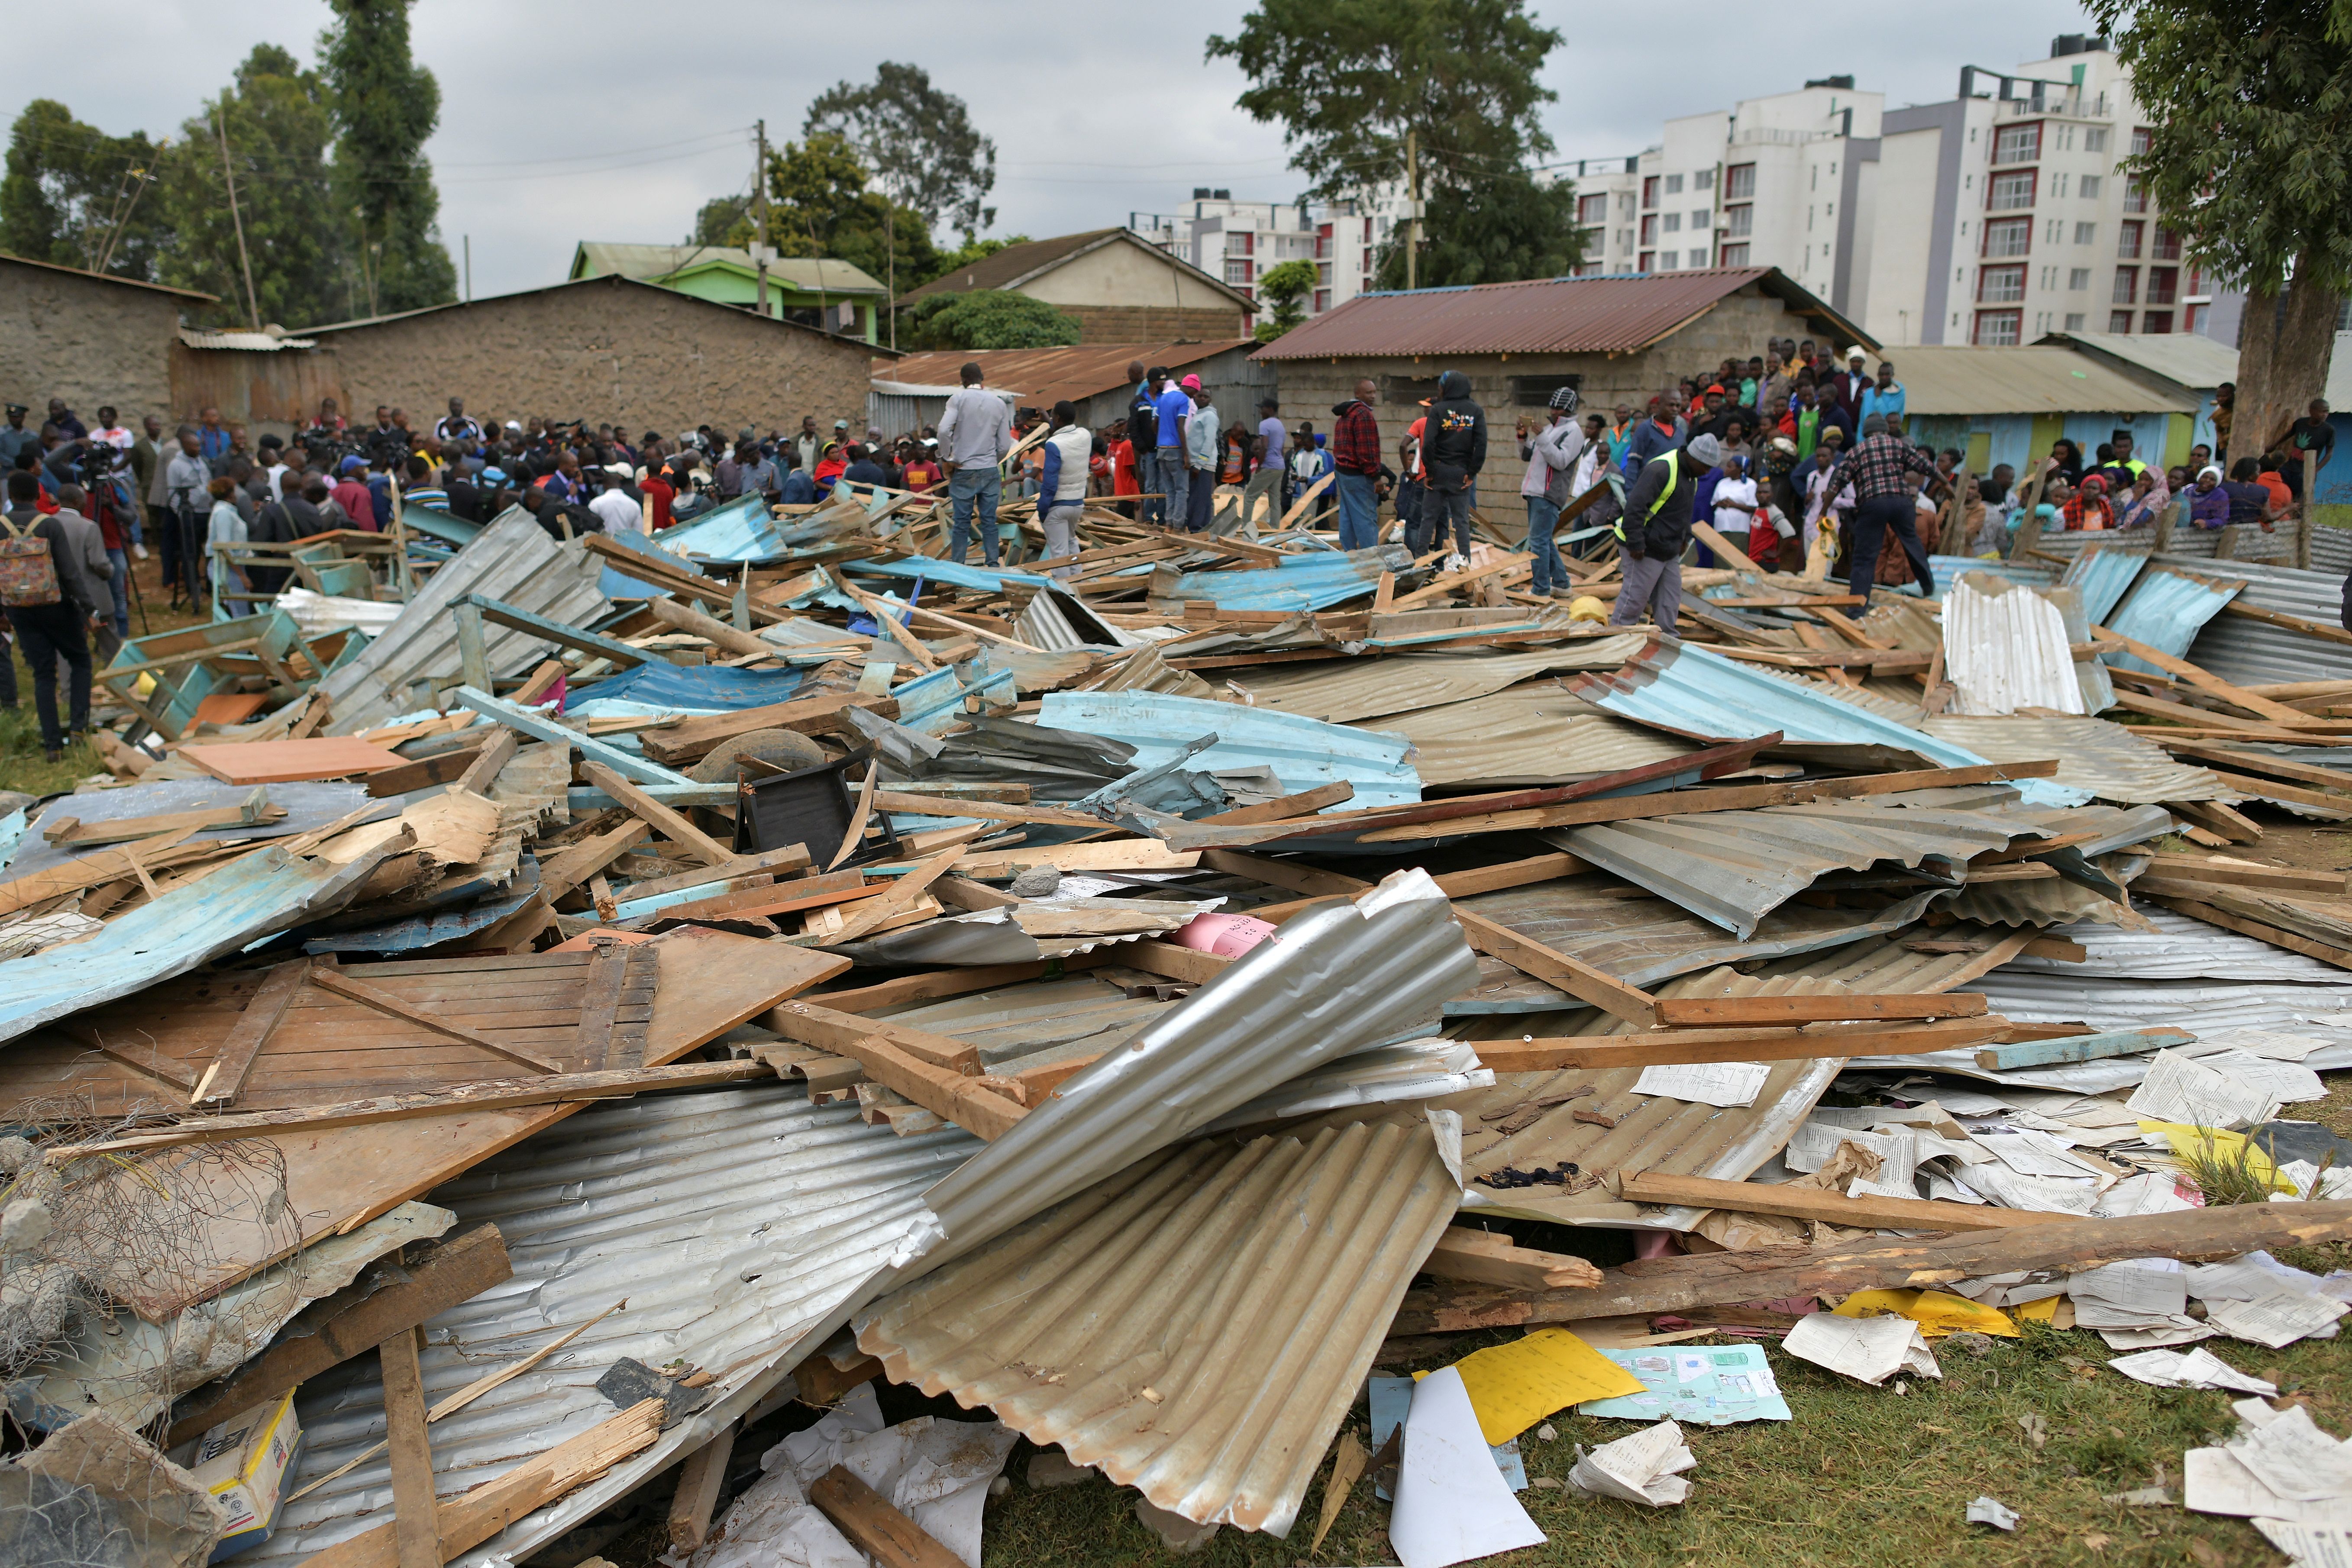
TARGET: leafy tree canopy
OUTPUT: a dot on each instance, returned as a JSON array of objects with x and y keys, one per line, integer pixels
[
  {"x": 988, "y": 318},
  {"x": 1496, "y": 231},
  {"x": 919, "y": 143},
  {"x": 1285, "y": 287},
  {"x": 76, "y": 196},
  {"x": 819, "y": 205},
  {"x": 385, "y": 105}
]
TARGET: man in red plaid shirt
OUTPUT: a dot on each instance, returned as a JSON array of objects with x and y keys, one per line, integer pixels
[
  {"x": 1356, "y": 462},
  {"x": 1878, "y": 469}
]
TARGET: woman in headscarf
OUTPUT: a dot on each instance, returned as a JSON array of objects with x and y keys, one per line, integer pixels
[
  {"x": 2209, "y": 503},
  {"x": 2088, "y": 511},
  {"x": 2148, "y": 499}
]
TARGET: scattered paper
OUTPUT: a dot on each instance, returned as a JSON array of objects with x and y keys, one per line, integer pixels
[
  {"x": 2266, "y": 1042},
  {"x": 2333, "y": 1183},
  {"x": 1937, "y": 1313},
  {"x": 1512, "y": 1386},
  {"x": 1985, "y": 1511},
  {"x": 1392, "y": 1400},
  {"x": 2181, "y": 1088},
  {"x": 2316, "y": 1545},
  {"x": 2031, "y": 1154},
  {"x": 1645, "y": 1468},
  {"x": 1729, "y": 1084},
  {"x": 2289, "y": 1083},
  {"x": 2277, "y": 1320},
  {"x": 2152, "y": 1292},
  {"x": 2250, "y": 1278},
  {"x": 1869, "y": 1350},
  {"x": 1451, "y": 1504},
  {"x": 1815, "y": 1144},
  {"x": 1714, "y": 1385},
  {"x": 2151, "y": 1339},
  {"x": 2199, "y": 1368},
  {"x": 2150, "y": 1192},
  {"x": 2296, "y": 1459}
]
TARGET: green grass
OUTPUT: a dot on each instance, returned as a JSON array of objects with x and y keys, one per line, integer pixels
[{"x": 22, "y": 764}]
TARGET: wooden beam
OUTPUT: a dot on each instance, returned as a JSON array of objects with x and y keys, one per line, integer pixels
[
  {"x": 870, "y": 916},
  {"x": 692, "y": 739},
  {"x": 1662, "y": 1047},
  {"x": 1793, "y": 1201},
  {"x": 1306, "y": 803},
  {"x": 873, "y": 1526},
  {"x": 327, "y": 977},
  {"x": 2260, "y": 931},
  {"x": 416, "y": 1524},
  {"x": 931, "y": 987},
  {"x": 1464, "y": 1253},
  {"x": 699, "y": 1480},
  {"x": 72, "y": 832},
  {"x": 813, "y": 1023},
  {"x": 944, "y": 1091},
  {"x": 2215, "y": 817},
  {"x": 1696, "y": 1010},
  {"x": 252, "y": 1031},
  {"x": 2204, "y": 680},
  {"x": 1575, "y": 977},
  {"x": 2229, "y": 872},
  {"x": 2272, "y": 789},
  {"x": 562, "y": 872},
  {"x": 712, "y": 630},
  {"x": 490, "y": 762},
  {"x": 670, "y": 825}
]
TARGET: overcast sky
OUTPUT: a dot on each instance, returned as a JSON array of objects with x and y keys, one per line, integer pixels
[{"x": 611, "y": 121}]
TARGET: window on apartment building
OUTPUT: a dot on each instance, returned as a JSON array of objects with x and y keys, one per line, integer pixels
[
  {"x": 2049, "y": 278},
  {"x": 1240, "y": 242},
  {"x": 2128, "y": 237},
  {"x": 1673, "y": 222},
  {"x": 1646, "y": 263},
  {"x": 1739, "y": 220},
  {"x": 1585, "y": 269},
  {"x": 1322, "y": 301},
  {"x": 1323, "y": 242},
  {"x": 1649, "y": 190},
  {"x": 2007, "y": 193},
  {"x": 2119, "y": 320},
  {"x": 2086, "y": 233},
  {"x": 2166, "y": 245},
  {"x": 1668, "y": 260},
  {"x": 2094, "y": 139},
  {"x": 1703, "y": 218},
  {"x": 1237, "y": 270},
  {"x": 2053, "y": 230},
  {"x": 2164, "y": 285},
  {"x": 1697, "y": 258},
  {"x": 1674, "y": 184},
  {"x": 2000, "y": 285},
  {"x": 1740, "y": 182},
  {"x": 2059, "y": 188},
  {"x": 1733, "y": 256},
  {"x": 2008, "y": 237},
  {"x": 2074, "y": 321},
  {"x": 2078, "y": 278},
  {"x": 1704, "y": 179},
  {"x": 2134, "y": 194},
  {"x": 1624, "y": 239},
  {"x": 1998, "y": 328},
  {"x": 2065, "y": 138},
  {"x": 1625, "y": 204},
  {"x": 2127, "y": 291},
  {"x": 1649, "y": 229},
  {"x": 2017, "y": 143},
  {"x": 1368, "y": 261},
  {"x": 1594, "y": 208},
  {"x": 2156, "y": 322},
  {"x": 2139, "y": 142},
  {"x": 2088, "y": 187},
  {"x": 2199, "y": 285},
  {"x": 2195, "y": 321},
  {"x": 1367, "y": 229},
  {"x": 1593, "y": 241}
]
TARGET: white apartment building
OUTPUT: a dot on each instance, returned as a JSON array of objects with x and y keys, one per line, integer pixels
[{"x": 1238, "y": 241}]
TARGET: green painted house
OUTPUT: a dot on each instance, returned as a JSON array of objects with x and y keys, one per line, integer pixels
[{"x": 816, "y": 291}]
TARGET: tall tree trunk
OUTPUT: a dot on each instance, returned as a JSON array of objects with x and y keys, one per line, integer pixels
[{"x": 2282, "y": 362}]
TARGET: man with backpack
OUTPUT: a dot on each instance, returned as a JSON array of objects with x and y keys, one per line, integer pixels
[{"x": 50, "y": 604}]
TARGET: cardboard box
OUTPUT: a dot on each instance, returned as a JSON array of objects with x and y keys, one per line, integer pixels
[{"x": 244, "y": 1462}]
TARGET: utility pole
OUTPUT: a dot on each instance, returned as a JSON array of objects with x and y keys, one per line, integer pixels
[
  {"x": 252, "y": 306},
  {"x": 1413, "y": 236},
  {"x": 760, "y": 210},
  {"x": 469, "y": 269}
]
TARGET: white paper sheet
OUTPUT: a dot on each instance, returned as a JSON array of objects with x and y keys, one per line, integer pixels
[
  {"x": 2150, "y": 1192},
  {"x": 2309, "y": 1545},
  {"x": 1729, "y": 1084},
  {"x": 2267, "y": 1043},
  {"x": 2289, "y": 1083},
  {"x": 1644, "y": 1468},
  {"x": 2249, "y": 1278},
  {"x": 2033, "y": 1154},
  {"x": 2276, "y": 1319},
  {"x": 2294, "y": 1459},
  {"x": 2179, "y": 1089},
  {"x": 1453, "y": 1505},
  {"x": 2199, "y": 1368},
  {"x": 2214, "y": 1482},
  {"x": 1869, "y": 1350},
  {"x": 1815, "y": 1144}
]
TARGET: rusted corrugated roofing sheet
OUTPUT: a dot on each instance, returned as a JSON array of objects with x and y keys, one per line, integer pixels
[
  {"x": 1542, "y": 316},
  {"x": 2105, "y": 759},
  {"x": 1197, "y": 1324},
  {"x": 1045, "y": 376},
  {"x": 1341, "y": 691},
  {"x": 1534, "y": 734}
]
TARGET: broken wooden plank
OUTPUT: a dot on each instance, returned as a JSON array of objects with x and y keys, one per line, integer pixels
[
  {"x": 1306, "y": 803},
  {"x": 670, "y": 825},
  {"x": 813, "y": 1023},
  {"x": 2261, "y": 931},
  {"x": 72, "y": 833},
  {"x": 944, "y": 1091},
  {"x": 2206, "y": 680},
  {"x": 1575, "y": 977},
  {"x": 2227, "y": 871},
  {"x": 564, "y": 870},
  {"x": 1464, "y": 1253},
  {"x": 2225, "y": 821},
  {"x": 871, "y": 914},
  {"x": 933, "y": 986},
  {"x": 252, "y": 1031},
  {"x": 290, "y": 761},
  {"x": 1674, "y": 1011},
  {"x": 698, "y": 1483},
  {"x": 1794, "y": 1201},
  {"x": 873, "y": 1526},
  {"x": 327, "y": 977},
  {"x": 1660, "y": 1048},
  {"x": 416, "y": 1532},
  {"x": 2078, "y": 1048}
]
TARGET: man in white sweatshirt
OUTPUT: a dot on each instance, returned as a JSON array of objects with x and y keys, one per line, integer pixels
[{"x": 1062, "y": 488}]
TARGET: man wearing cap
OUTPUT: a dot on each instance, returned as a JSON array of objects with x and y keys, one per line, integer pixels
[
  {"x": 975, "y": 438},
  {"x": 1655, "y": 530},
  {"x": 1845, "y": 387},
  {"x": 1171, "y": 410},
  {"x": 350, "y": 493},
  {"x": 1878, "y": 470},
  {"x": 1200, "y": 433},
  {"x": 1552, "y": 457}
]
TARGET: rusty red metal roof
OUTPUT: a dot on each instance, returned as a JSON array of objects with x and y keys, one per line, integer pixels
[
  {"x": 1616, "y": 314},
  {"x": 1045, "y": 376}
]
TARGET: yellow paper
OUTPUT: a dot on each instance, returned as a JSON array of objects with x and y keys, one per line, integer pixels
[
  {"x": 1937, "y": 1313},
  {"x": 2185, "y": 1140},
  {"x": 2039, "y": 1312},
  {"x": 1513, "y": 1386}
]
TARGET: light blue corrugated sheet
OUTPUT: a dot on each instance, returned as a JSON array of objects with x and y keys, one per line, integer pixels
[
  {"x": 1301, "y": 583},
  {"x": 1949, "y": 567},
  {"x": 253, "y": 896},
  {"x": 932, "y": 702},
  {"x": 1687, "y": 689},
  {"x": 1304, "y": 753},
  {"x": 2166, "y": 612},
  {"x": 620, "y": 585},
  {"x": 741, "y": 530},
  {"x": 436, "y": 523},
  {"x": 2102, "y": 575},
  {"x": 987, "y": 580}
]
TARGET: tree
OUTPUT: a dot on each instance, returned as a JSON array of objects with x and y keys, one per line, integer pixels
[
  {"x": 1493, "y": 232},
  {"x": 1368, "y": 90},
  {"x": 818, "y": 204},
  {"x": 385, "y": 106},
  {"x": 919, "y": 143},
  {"x": 721, "y": 216},
  {"x": 988, "y": 319},
  {"x": 279, "y": 132},
  {"x": 2249, "y": 159},
  {"x": 78, "y": 198},
  {"x": 1283, "y": 286},
  {"x": 970, "y": 253}
]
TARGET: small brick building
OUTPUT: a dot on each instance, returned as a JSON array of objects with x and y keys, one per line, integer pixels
[
  {"x": 91, "y": 339},
  {"x": 1117, "y": 286}
]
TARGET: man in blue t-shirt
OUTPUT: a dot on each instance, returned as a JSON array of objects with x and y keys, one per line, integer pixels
[{"x": 1172, "y": 408}]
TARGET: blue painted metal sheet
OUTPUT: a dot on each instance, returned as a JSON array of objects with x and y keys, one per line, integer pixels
[
  {"x": 1685, "y": 689},
  {"x": 706, "y": 688},
  {"x": 1949, "y": 567},
  {"x": 1314, "y": 581},
  {"x": 249, "y": 898},
  {"x": 932, "y": 702},
  {"x": 421, "y": 931},
  {"x": 433, "y": 521},
  {"x": 2166, "y": 612},
  {"x": 741, "y": 530},
  {"x": 538, "y": 727},
  {"x": 616, "y": 584},
  {"x": 1304, "y": 753},
  {"x": 2102, "y": 573},
  {"x": 986, "y": 578},
  {"x": 307, "y": 805}
]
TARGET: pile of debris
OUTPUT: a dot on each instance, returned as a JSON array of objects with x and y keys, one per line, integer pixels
[{"x": 532, "y": 1021}]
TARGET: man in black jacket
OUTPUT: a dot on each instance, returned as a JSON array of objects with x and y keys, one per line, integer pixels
[
  {"x": 47, "y": 634},
  {"x": 1453, "y": 450},
  {"x": 1656, "y": 530}
]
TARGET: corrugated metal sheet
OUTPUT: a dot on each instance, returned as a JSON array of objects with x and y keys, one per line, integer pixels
[
  {"x": 1315, "y": 582},
  {"x": 2165, "y": 610},
  {"x": 986, "y": 578},
  {"x": 1949, "y": 567},
  {"x": 1044, "y": 376},
  {"x": 2103, "y": 571},
  {"x": 1690, "y": 691},
  {"x": 2100, "y": 758},
  {"x": 254, "y": 896},
  {"x": 1303, "y": 752},
  {"x": 1147, "y": 670},
  {"x": 2181, "y": 948},
  {"x": 513, "y": 561},
  {"x": 1342, "y": 978},
  {"x": 2331, "y": 550},
  {"x": 1735, "y": 867},
  {"x": 1540, "y": 315},
  {"x": 247, "y": 343},
  {"x": 2248, "y": 652},
  {"x": 1196, "y": 1325},
  {"x": 1528, "y": 735},
  {"x": 1941, "y": 381},
  {"x": 731, "y": 1222},
  {"x": 739, "y": 530},
  {"x": 1345, "y": 691},
  {"x": 2005, "y": 648},
  {"x": 2189, "y": 359},
  {"x": 2201, "y": 1007},
  {"x": 2047, "y": 901}
]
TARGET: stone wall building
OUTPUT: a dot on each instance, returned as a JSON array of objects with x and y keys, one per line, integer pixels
[
  {"x": 1615, "y": 340},
  {"x": 1119, "y": 287},
  {"x": 600, "y": 349},
  {"x": 89, "y": 338}
]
